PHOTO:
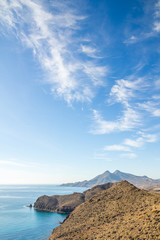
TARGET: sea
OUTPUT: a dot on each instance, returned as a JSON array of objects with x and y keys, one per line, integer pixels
[{"x": 19, "y": 222}]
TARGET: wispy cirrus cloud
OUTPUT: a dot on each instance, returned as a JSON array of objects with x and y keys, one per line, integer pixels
[
  {"x": 129, "y": 120},
  {"x": 51, "y": 34},
  {"x": 90, "y": 51},
  {"x": 124, "y": 90},
  {"x": 139, "y": 142},
  {"x": 134, "y": 143},
  {"x": 131, "y": 93},
  {"x": 157, "y": 26},
  {"x": 129, "y": 145},
  {"x": 117, "y": 148},
  {"x": 153, "y": 106}
]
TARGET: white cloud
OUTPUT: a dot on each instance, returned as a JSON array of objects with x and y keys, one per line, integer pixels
[
  {"x": 131, "y": 95},
  {"x": 88, "y": 50},
  {"x": 134, "y": 143},
  {"x": 50, "y": 33},
  {"x": 124, "y": 90},
  {"x": 127, "y": 93},
  {"x": 139, "y": 142},
  {"x": 153, "y": 107},
  {"x": 117, "y": 148},
  {"x": 96, "y": 73},
  {"x": 156, "y": 112},
  {"x": 157, "y": 26},
  {"x": 101, "y": 126},
  {"x": 129, "y": 120},
  {"x": 151, "y": 138},
  {"x": 7, "y": 16},
  {"x": 129, "y": 144}
]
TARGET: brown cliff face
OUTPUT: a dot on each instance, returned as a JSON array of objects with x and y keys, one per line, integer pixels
[
  {"x": 121, "y": 212},
  {"x": 59, "y": 203},
  {"x": 67, "y": 203}
]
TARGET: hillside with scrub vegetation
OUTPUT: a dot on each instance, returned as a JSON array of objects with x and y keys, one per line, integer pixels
[{"x": 121, "y": 212}]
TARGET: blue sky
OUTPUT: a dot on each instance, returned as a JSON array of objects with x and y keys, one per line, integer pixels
[{"x": 80, "y": 89}]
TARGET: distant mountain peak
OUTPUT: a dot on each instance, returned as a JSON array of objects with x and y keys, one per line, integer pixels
[
  {"x": 116, "y": 172},
  {"x": 117, "y": 176}
]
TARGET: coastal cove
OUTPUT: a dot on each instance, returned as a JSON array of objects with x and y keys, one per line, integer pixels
[{"x": 20, "y": 222}]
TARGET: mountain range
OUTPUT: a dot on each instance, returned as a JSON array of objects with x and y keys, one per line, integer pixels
[{"x": 117, "y": 176}]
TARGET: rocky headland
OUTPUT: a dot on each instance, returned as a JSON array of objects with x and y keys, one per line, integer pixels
[
  {"x": 120, "y": 212},
  {"x": 67, "y": 203}
]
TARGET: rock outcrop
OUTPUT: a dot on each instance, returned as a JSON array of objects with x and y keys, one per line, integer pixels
[
  {"x": 117, "y": 176},
  {"x": 59, "y": 203},
  {"x": 121, "y": 212},
  {"x": 67, "y": 203}
]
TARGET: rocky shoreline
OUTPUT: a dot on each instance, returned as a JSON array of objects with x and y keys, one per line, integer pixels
[{"x": 67, "y": 203}]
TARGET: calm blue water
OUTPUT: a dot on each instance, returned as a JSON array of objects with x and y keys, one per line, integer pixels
[{"x": 18, "y": 222}]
